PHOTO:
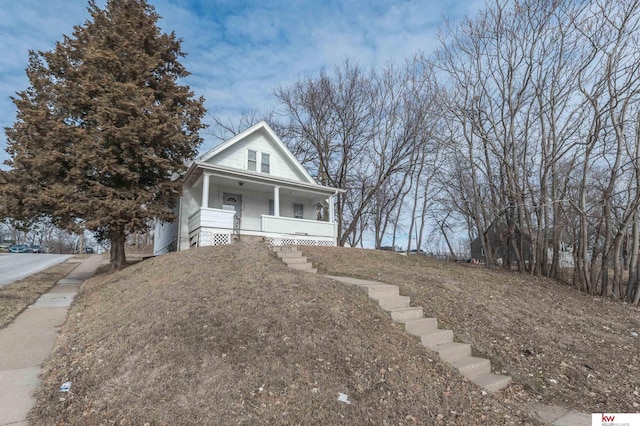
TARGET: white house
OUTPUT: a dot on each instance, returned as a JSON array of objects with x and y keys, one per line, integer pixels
[{"x": 251, "y": 185}]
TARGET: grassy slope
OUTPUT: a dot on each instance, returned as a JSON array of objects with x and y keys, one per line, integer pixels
[
  {"x": 561, "y": 346},
  {"x": 227, "y": 335}
]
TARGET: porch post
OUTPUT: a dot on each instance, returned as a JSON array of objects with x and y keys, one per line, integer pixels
[
  {"x": 331, "y": 212},
  {"x": 276, "y": 201},
  {"x": 205, "y": 190}
]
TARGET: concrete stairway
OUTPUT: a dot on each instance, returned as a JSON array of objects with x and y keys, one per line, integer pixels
[
  {"x": 293, "y": 258},
  {"x": 478, "y": 370}
]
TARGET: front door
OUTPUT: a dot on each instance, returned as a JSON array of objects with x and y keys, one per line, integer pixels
[{"x": 234, "y": 200}]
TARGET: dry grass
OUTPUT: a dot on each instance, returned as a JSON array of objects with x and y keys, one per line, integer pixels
[
  {"x": 15, "y": 297},
  {"x": 230, "y": 335},
  {"x": 561, "y": 346}
]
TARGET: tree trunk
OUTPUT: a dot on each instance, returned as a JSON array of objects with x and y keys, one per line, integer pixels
[
  {"x": 635, "y": 250},
  {"x": 118, "y": 237}
]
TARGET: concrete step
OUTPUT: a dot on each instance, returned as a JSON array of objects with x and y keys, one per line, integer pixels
[
  {"x": 298, "y": 259},
  {"x": 303, "y": 267},
  {"x": 402, "y": 314},
  {"x": 284, "y": 248},
  {"x": 451, "y": 351},
  {"x": 441, "y": 341},
  {"x": 392, "y": 302},
  {"x": 472, "y": 367},
  {"x": 288, "y": 254},
  {"x": 436, "y": 337},
  {"x": 376, "y": 291},
  {"x": 355, "y": 281},
  {"x": 420, "y": 326},
  {"x": 492, "y": 382}
]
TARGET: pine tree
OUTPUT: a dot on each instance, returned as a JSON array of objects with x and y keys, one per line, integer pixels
[{"x": 103, "y": 127}]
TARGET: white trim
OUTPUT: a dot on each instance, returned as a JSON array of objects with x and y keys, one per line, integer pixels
[
  {"x": 267, "y": 179},
  {"x": 258, "y": 160},
  {"x": 276, "y": 201},
  {"x": 242, "y": 135},
  {"x": 246, "y": 163},
  {"x": 268, "y": 163},
  {"x": 205, "y": 190}
]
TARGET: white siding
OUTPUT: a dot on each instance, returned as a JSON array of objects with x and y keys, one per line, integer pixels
[
  {"x": 188, "y": 205},
  {"x": 165, "y": 233},
  {"x": 211, "y": 218},
  {"x": 236, "y": 156}
]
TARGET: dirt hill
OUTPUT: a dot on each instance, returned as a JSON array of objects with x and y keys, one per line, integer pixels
[
  {"x": 230, "y": 335},
  {"x": 561, "y": 347}
]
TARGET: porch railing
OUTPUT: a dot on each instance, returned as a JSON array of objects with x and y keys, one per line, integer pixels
[{"x": 301, "y": 227}]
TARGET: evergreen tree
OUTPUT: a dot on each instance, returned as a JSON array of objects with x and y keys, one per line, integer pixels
[{"x": 103, "y": 127}]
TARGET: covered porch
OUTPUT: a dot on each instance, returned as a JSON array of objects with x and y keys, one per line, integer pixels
[{"x": 221, "y": 205}]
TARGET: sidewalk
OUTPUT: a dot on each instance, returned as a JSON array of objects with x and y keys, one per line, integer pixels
[{"x": 28, "y": 340}]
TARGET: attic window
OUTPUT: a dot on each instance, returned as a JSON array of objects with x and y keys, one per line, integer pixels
[
  {"x": 264, "y": 164},
  {"x": 252, "y": 160}
]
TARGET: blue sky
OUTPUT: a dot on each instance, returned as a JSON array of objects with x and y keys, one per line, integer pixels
[{"x": 239, "y": 51}]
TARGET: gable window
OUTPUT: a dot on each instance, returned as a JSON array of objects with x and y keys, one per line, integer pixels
[
  {"x": 298, "y": 211},
  {"x": 264, "y": 164},
  {"x": 252, "y": 160}
]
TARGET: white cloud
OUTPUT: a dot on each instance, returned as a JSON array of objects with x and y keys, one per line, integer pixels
[{"x": 239, "y": 51}]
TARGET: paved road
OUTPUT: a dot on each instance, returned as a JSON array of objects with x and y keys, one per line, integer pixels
[{"x": 15, "y": 266}]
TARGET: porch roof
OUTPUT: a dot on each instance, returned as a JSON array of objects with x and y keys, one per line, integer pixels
[{"x": 197, "y": 168}]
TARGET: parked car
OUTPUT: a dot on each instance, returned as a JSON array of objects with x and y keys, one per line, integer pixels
[
  {"x": 37, "y": 249},
  {"x": 5, "y": 245},
  {"x": 88, "y": 250},
  {"x": 20, "y": 248}
]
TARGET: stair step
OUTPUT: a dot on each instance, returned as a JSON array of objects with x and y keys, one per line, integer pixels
[
  {"x": 288, "y": 254},
  {"x": 283, "y": 248},
  {"x": 302, "y": 267},
  {"x": 298, "y": 259},
  {"x": 401, "y": 314},
  {"x": 436, "y": 337},
  {"x": 451, "y": 351},
  {"x": 376, "y": 291},
  {"x": 458, "y": 355},
  {"x": 392, "y": 302},
  {"x": 492, "y": 382},
  {"x": 420, "y": 326},
  {"x": 472, "y": 367}
]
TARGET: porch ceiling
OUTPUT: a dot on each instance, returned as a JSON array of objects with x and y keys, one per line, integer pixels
[{"x": 255, "y": 181}]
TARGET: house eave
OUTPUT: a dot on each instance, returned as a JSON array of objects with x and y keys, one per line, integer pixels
[{"x": 198, "y": 167}]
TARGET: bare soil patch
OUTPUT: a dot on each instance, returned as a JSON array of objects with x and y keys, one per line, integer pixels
[
  {"x": 560, "y": 346},
  {"x": 15, "y": 297},
  {"x": 230, "y": 335}
]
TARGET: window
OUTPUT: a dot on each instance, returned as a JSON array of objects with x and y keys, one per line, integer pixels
[
  {"x": 264, "y": 164},
  {"x": 298, "y": 211},
  {"x": 271, "y": 208},
  {"x": 252, "y": 161},
  {"x": 252, "y": 157}
]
